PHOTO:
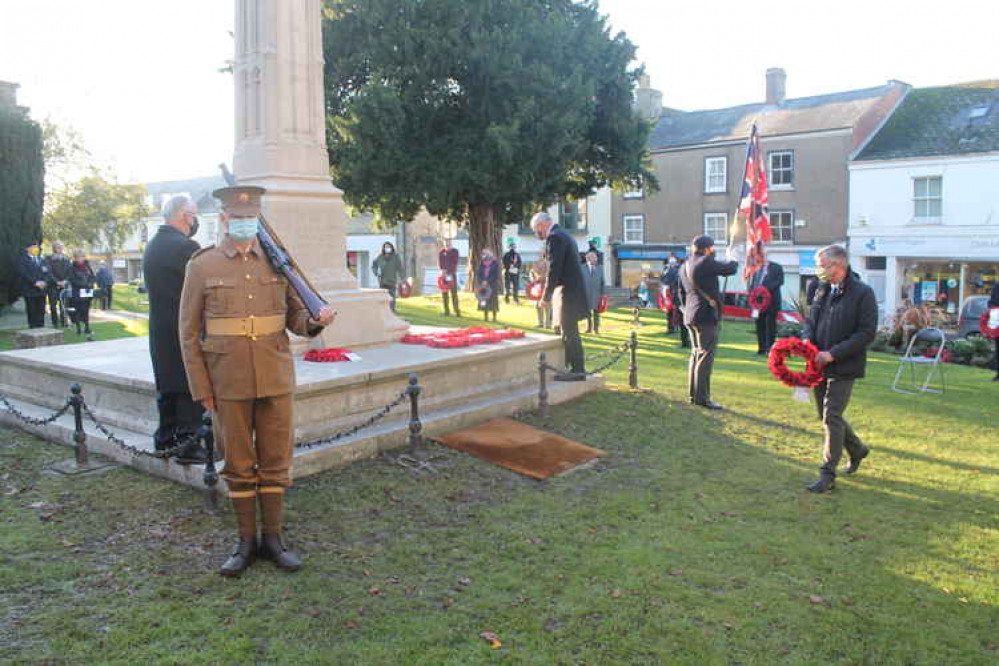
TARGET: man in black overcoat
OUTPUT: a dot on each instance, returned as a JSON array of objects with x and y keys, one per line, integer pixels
[
  {"x": 565, "y": 274},
  {"x": 771, "y": 277},
  {"x": 34, "y": 281},
  {"x": 163, "y": 266},
  {"x": 702, "y": 311}
]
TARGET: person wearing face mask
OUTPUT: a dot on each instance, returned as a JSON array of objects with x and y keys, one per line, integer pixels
[
  {"x": 59, "y": 266},
  {"x": 82, "y": 282},
  {"x": 163, "y": 266},
  {"x": 702, "y": 312},
  {"x": 841, "y": 323},
  {"x": 487, "y": 277},
  {"x": 234, "y": 313},
  {"x": 34, "y": 277},
  {"x": 387, "y": 267}
]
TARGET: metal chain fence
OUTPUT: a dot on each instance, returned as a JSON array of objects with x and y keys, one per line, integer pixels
[
  {"x": 21, "y": 416},
  {"x": 353, "y": 430}
]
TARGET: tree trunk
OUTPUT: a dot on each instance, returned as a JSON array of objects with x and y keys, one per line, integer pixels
[{"x": 483, "y": 232}]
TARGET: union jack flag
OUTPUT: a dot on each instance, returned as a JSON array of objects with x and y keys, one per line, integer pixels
[{"x": 753, "y": 208}]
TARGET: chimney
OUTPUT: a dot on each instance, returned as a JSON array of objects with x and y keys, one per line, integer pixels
[
  {"x": 776, "y": 84},
  {"x": 8, "y": 94},
  {"x": 648, "y": 101}
]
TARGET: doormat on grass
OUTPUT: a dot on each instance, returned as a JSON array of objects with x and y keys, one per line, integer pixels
[{"x": 521, "y": 448}]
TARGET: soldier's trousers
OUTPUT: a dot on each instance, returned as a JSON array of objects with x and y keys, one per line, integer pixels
[{"x": 257, "y": 441}]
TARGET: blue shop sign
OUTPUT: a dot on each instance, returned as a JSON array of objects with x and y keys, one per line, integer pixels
[{"x": 650, "y": 253}]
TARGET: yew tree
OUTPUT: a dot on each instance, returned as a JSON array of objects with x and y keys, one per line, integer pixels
[{"x": 480, "y": 111}]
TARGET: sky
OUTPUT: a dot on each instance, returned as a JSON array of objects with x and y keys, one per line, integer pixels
[{"x": 139, "y": 79}]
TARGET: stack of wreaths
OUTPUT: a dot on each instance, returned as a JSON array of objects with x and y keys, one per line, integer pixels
[{"x": 462, "y": 337}]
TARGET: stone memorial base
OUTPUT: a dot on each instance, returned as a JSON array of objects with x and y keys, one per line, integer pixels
[
  {"x": 460, "y": 387},
  {"x": 38, "y": 337}
]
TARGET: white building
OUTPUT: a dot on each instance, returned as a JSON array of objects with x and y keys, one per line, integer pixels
[{"x": 924, "y": 200}]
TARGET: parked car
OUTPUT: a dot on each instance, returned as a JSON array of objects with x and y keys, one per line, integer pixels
[
  {"x": 736, "y": 306},
  {"x": 971, "y": 314}
]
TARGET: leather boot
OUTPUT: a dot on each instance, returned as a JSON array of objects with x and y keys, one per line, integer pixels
[
  {"x": 245, "y": 506},
  {"x": 273, "y": 549},
  {"x": 271, "y": 546},
  {"x": 824, "y": 484}
]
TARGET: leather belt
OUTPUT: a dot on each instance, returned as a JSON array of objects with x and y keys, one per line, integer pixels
[{"x": 248, "y": 327}]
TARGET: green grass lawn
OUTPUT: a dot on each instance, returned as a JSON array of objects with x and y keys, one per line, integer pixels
[
  {"x": 691, "y": 541},
  {"x": 127, "y": 297}
]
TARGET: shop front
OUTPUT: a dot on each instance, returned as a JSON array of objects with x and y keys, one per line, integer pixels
[{"x": 633, "y": 265}]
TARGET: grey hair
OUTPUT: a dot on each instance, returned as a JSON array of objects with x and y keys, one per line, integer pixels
[
  {"x": 539, "y": 218},
  {"x": 835, "y": 253},
  {"x": 175, "y": 205}
]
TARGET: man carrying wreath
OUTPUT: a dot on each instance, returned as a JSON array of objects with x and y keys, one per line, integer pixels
[{"x": 842, "y": 322}]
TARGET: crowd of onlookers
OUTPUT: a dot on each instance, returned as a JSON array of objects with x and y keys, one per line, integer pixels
[{"x": 66, "y": 285}]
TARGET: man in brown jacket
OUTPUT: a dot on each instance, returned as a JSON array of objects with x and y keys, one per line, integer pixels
[{"x": 233, "y": 314}]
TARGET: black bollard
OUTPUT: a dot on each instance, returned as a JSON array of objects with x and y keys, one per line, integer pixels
[
  {"x": 542, "y": 385},
  {"x": 415, "y": 426},
  {"x": 211, "y": 477},
  {"x": 79, "y": 436},
  {"x": 633, "y": 366}
]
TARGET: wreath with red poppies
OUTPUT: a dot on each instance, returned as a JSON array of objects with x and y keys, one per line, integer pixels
[
  {"x": 990, "y": 332},
  {"x": 445, "y": 282},
  {"x": 602, "y": 304},
  {"x": 483, "y": 294},
  {"x": 329, "y": 355},
  {"x": 534, "y": 290},
  {"x": 664, "y": 301},
  {"x": 405, "y": 290},
  {"x": 759, "y": 299},
  {"x": 462, "y": 337},
  {"x": 804, "y": 349}
]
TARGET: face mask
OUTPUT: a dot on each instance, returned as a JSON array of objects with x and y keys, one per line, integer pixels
[
  {"x": 243, "y": 228},
  {"x": 672, "y": 262},
  {"x": 387, "y": 250},
  {"x": 195, "y": 225},
  {"x": 34, "y": 251}
]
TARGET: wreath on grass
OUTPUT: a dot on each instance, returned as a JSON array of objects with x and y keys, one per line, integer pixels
[
  {"x": 759, "y": 299},
  {"x": 786, "y": 347},
  {"x": 534, "y": 291},
  {"x": 991, "y": 315},
  {"x": 445, "y": 282}
]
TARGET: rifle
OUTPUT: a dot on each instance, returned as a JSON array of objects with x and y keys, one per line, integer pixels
[{"x": 281, "y": 260}]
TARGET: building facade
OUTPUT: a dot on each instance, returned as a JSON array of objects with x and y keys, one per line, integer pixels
[{"x": 924, "y": 204}]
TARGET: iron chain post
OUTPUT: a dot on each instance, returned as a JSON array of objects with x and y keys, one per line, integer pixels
[
  {"x": 415, "y": 426},
  {"x": 79, "y": 436},
  {"x": 542, "y": 385},
  {"x": 210, "y": 477},
  {"x": 633, "y": 366}
]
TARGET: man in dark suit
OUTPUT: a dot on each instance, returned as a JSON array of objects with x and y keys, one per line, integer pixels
[
  {"x": 994, "y": 303},
  {"x": 59, "y": 267},
  {"x": 163, "y": 266},
  {"x": 702, "y": 311},
  {"x": 566, "y": 275},
  {"x": 512, "y": 263},
  {"x": 841, "y": 323},
  {"x": 34, "y": 277},
  {"x": 770, "y": 277}
]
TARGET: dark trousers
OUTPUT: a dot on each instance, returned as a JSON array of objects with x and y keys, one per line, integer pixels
[
  {"x": 831, "y": 398},
  {"x": 56, "y": 310},
  {"x": 106, "y": 297},
  {"x": 593, "y": 322},
  {"x": 390, "y": 288},
  {"x": 180, "y": 416},
  {"x": 702, "y": 356},
  {"x": 35, "y": 306},
  {"x": 81, "y": 312},
  {"x": 451, "y": 294},
  {"x": 512, "y": 283},
  {"x": 571, "y": 342},
  {"x": 766, "y": 331}
]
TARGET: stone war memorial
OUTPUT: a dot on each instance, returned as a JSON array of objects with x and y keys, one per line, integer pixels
[{"x": 280, "y": 132}]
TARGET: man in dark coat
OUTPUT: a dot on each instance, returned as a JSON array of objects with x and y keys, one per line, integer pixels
[
  {"x": 842, "y": 322},
  {"x": 59, "y": 267},
  {"x": 994, "y": 303},
  {"x": 770, "y": 277},
  {"x": 512, "y": 265},
  {"x": 105, "y": 282},
  {"x": 34, "y": 277},
  {"x": 163, "y": 266},
  {"x": 448, "y": 260},
  {"x": 593, "y": 279},
  {"x": 702, "y": 311},
  {"x": 564, "y": 274}
]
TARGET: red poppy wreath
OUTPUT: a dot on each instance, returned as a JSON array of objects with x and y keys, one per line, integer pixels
[
  {"x": 444, "y": 282},
  {"x": 759, "y": 299},
  {"x": 800, "y": 348},
  {"x": 989, "y": 316}
]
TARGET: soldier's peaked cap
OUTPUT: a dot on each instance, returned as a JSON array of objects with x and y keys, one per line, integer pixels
[{"x": 240, "y": 200}]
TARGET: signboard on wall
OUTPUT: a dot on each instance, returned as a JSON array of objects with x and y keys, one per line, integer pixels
[{"x": 929, "y": 290}]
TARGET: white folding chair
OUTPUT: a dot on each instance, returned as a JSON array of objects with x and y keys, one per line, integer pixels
[{"x": 932, "y": 364}]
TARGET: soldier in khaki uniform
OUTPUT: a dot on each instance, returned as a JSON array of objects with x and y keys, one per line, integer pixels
[{"x": 233, "y": 314}]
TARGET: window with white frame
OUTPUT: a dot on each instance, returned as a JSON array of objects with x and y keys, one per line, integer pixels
[
  {"x": 781, "y": 174},
  {"x": 634, "y": 228},
  {"x": 714, "y": 174},
  {"x": 716, "y": 226},
  {"x": 633, "y": 194},
  {"x": 782, "y": 225},
  {"x": 927, "y": 197}
]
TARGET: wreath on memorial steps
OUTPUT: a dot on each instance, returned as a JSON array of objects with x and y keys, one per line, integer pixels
[
  {"x": 534, "y": 291},
  {"x": 462, "y": 337},
  {"x": 405, "y": 289},
  {"x": 445, "y": 282},
  {"x": 329, "y": 355},
  {"x": 759, "y": 299},
  {"x": 984, "y": 324},
  {"x": 797, "y": 347}
]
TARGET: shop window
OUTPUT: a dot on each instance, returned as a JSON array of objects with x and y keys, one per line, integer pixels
[
  {"x": 634, "y": 229},
  {"x": 927, "y": 197},
  {"x": 716, "y": 226},
  {"x": 572, "y": 215},
  {"x": 781, "y": 174},
  {"x": 715, "y": 169},
  {"x": 782, "y": 225}
]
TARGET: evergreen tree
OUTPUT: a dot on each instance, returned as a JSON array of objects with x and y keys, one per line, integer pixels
[
  {"x": 22, "y": 177},
  {"x": 481, "y": 110}
]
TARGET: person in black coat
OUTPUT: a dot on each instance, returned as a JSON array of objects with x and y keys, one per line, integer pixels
[
  {"x": 702, "y": 311},
  {"x": 771, "y": 277},
  {"x": 512, "y": 265},
  {"x": 810, "y": 288},
  {"x": 34, "y": 277},
  {"x": 105, "y": 281},
  {"x": 994, "y": 303},
  {"x": 565, "y": 274},
  {"x": 842, "y": 322},
  {"x": 81, "y": 282},
  {"x": 59, "y": 266},
  {"x": 487, "y": 279},
  {"x": 163, "y": 266}
]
